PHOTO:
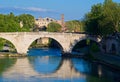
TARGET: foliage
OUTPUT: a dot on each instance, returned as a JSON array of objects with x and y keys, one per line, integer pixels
[
  {"x": 94, "y": 47},
  {"x": 103, "y": 19},
  {"x": 11, "y": 23},
  {"x": 8, "y": 23},
  {"x": 88, "y": 41},
  {"x": 4, "y": 42},
  {"x": 74, "y": 26},
  {"x": 27, "y": 20},
  {"x": 54, "y": 27}
]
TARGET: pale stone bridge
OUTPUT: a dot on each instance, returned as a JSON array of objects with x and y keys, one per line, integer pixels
[{"x": 22, "y": 40}]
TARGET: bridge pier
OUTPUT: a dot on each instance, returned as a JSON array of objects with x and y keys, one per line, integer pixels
[
  {"x": 66, "y": 53},
  {"x": 22, "y": 51}
]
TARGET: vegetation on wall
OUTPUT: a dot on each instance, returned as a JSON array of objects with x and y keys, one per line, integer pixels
[{"x": 6, "y": 43}]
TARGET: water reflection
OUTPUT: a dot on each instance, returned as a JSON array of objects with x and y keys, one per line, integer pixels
[
  {"x": 6, "y": 63},
  {"x": 81, "y": 65},
  {"x": 23, "y": 68},
  {"x": 45, "y": 64},
  {"x": 55, "y": 69},
  {"x": 99, "y": 70},
  {"x": 95, "y": 72},
  {"x": 44, "y": 52}
]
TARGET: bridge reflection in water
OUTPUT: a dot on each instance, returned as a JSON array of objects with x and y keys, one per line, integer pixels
[
  {"x": 38, "y": 69},
  {"x": 23, "y": 69}
]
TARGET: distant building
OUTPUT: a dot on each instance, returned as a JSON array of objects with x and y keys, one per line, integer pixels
[
  {"x": 43, "y": 41},
  {"x": 41, "y": 22}
]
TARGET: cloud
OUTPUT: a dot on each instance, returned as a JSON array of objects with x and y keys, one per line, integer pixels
[
  {"x": 28, "y": 9},
  {"x": 34, "y": 9}
]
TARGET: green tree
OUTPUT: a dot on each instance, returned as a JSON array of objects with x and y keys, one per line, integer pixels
[
  {"x": 8, "y": 23},
  {"x": 103, "y": 19},
  {"x": 28, "y": 21},
  {"x": 54, "y": 27},
  {"x": 11, "y": 23},
  {"x": 92, "y": 19},
  {"x": 112, "y": 14},
  {"x": 74, "y": 26}
]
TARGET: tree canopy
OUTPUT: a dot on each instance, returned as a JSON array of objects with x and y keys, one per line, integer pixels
[
  {"x": 11, "y": 23},
  {"x": 103, "y": 19},
  {"x": 27, "y": 20},
  {"x": 54, "y": 27},
  {"x": 74, "y": 26}
]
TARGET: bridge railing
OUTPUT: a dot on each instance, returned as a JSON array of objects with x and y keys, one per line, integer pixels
[{"x": 40, "y": 33}]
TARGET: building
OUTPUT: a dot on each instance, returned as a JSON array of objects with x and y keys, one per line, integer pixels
[
  {"x": 43, "y": 41},
  {"x": 41, "y": 22}
]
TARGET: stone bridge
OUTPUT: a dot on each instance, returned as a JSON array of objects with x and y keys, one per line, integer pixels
[{"x": 22, "y": 40}]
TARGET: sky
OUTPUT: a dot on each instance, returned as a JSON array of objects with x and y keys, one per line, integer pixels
[{"x": 72, "y": 9}]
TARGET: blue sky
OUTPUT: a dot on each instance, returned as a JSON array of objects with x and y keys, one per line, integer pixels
[{"x": 72, "y": 9}]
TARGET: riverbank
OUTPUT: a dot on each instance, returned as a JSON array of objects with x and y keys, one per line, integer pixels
[
  {"x": 10, "y": 54},
  {"x": 71, "y": 55},
  {"x": 110, "y": 60}
]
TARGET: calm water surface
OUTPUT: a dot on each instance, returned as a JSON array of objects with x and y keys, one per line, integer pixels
[{"x": 47, "y": 65}]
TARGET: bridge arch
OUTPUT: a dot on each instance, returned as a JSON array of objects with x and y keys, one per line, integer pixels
[
  {"x": 53, "y": 38},
  {"x": 10, "y": 41},
  {"x": 76, "y": 41}
]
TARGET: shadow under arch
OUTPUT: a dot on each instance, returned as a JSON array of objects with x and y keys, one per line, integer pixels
[
  {"x": 7, "y": 46},
  {"x": 84, "y": 44},
  {"x": 51, "y": 43}
]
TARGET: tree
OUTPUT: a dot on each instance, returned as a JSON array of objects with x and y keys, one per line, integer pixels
[
  {"x": 92, "y": 20},
  {"x": 103, "y": 19},
  {"x": 8, "y": 23},
  {"x": 74, "y": 26},
  {"x": 112, "y": 13},
  {"x": 28, "y": 21},
  {"x": 11, "y": 23},
  {"x": 54, "y": 27}
]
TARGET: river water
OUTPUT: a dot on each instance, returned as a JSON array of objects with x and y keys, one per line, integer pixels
[{"x": 47, "y": 65}]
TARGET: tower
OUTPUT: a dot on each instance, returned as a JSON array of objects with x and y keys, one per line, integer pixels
[{"x": 62, "y": 20}]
